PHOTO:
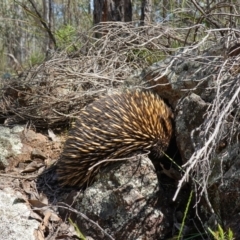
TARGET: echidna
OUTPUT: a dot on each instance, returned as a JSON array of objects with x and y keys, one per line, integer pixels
[{"x": 114, "y": 127}]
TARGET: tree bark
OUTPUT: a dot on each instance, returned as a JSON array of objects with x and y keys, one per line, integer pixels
[
  {"x": 48, "y": 17},
  {"x": 146, "y": 12},
  {"x": 112, "y": 10}
]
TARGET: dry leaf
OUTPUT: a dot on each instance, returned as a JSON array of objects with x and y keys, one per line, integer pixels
[
  {"x": 36, "y": 216},
  {"x": 54, "y": 217},
  {"x": 31, "y": 167},
  {"x": 47, "y": 215},
  {"x": 39, "y": 235},
  {"x": 36, "y": 203},
  {"x": 37, "y": 153},
  {"x": 52, "y": 136},
  {"x": 26, "y": 187},
  {"x": 43, "y": 198}
]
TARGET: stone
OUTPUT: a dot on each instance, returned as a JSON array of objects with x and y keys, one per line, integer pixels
[{"x": 14, "y": 217}]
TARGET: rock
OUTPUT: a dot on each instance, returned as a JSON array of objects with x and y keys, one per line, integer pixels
[
  {"x": 189, "y": 116},
  {"x": 124, "y": 202},
  {"x": 10, "y": 144},
  {"x": 193, "y": 71},
  {"x": 223, "y": 182},
  {"x": 14, "y": 217},
  {"x": 16, "y": 145}
]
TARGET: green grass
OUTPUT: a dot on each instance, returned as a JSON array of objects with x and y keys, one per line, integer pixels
[
  {"x": 219, "y": 234},
  {"x": 79, "y": 234}
]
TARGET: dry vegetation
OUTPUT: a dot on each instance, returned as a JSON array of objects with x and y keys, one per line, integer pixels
[
  {"x": 50, "y": 94},
  {"x": 220, "y": 129}
]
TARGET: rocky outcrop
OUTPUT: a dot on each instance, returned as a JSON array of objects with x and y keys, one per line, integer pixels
[{"x": 14, "y": 217}]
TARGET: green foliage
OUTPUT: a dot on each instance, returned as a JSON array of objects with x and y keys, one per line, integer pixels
[
  {"x": 36, "y": 58},
  {"x": 145, "y": 55},
  {"x": 65, "y": 37},
  {"x": 185, "y": 215},
  {"x": 219, "y": 234},
  {"x": 79, "y": 234},
  {"x": 3, "y": 60}
]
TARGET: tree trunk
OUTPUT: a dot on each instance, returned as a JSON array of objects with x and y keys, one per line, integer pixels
[
  {"x": 48, "y": 18},
  {"x": 146, "y": 11},
  {"x": 112, "y": 10}
]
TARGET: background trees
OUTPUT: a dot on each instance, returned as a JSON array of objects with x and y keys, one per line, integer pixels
[{"x": 31, "y": 29}]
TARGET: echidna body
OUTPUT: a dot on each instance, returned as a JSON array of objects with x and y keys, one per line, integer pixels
[{"x": 114, "y": 127}]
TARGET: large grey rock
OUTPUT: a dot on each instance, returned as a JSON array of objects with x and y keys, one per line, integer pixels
[
  {"x": 189, "y": 70},
  {"x": 189, "y": 116},
  {"x": 124, "y": 202},
  {"x": 14, "y": 217}
]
